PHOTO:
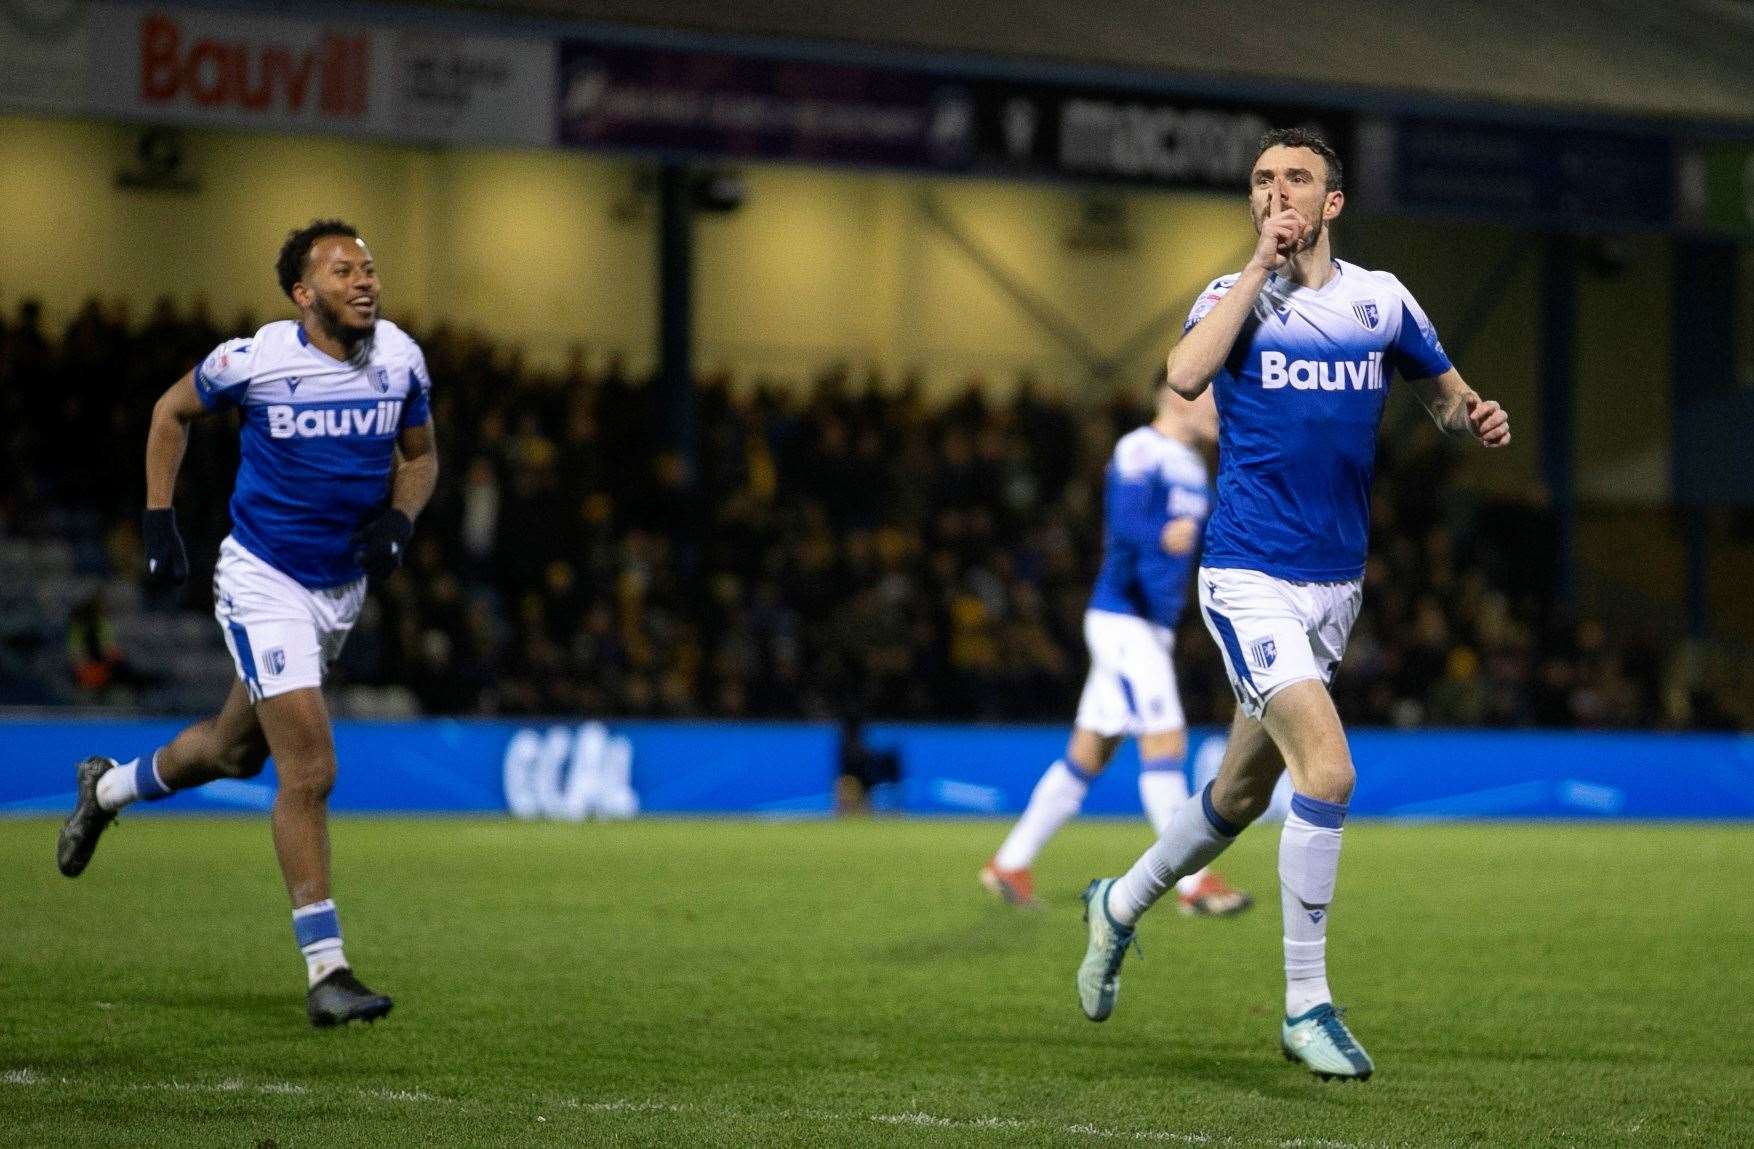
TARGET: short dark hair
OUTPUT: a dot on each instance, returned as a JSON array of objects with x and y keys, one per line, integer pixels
[
  {"x": 296, "y": 251},
  {"x": 1305, "y": 138}
]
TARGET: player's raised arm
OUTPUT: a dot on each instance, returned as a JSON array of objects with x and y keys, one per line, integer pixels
[
  {"x": 167, "y": 564},
  {"x": 1457, "y": 409},
  {"x": 1206, "y": 345}
]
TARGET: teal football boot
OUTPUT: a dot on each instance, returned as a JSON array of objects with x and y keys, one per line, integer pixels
[
  {"x": 1099, "y": 975},
  {"x": 1321, "y": 1041}
]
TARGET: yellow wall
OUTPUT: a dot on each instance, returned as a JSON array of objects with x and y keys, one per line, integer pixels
[
  {"x": 519, "y": 244},
  {"x": 821, "y": 264},
  {"x": 525, "y": 245},
  {"x": 66, "y": 230}
]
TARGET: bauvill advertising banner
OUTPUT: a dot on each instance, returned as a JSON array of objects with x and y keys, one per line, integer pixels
[{"x": 181, "y": 64}]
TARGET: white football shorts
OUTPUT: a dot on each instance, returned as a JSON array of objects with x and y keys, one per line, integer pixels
[
  {"x": 1131, "y": 688},
  {"x": 1272, "y": 632},
  {"x": 282, "y": 635}
]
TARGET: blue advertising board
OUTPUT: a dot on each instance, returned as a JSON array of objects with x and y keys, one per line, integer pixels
[{"x": 571, "y": 770}]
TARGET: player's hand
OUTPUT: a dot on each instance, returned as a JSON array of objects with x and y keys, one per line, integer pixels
[
  {"x": 1281, "y": 233},
  {"x": 1179, "y": 536},
  {"x": 378, "y": 546},
  {"x": 167, "y": 563},
  {"x": 1488, "y": 421}
]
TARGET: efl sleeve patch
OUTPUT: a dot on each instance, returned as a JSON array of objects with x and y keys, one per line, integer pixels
[
  {"x": 1208, "y": 300},
  {"x": 222, "y": 378}
]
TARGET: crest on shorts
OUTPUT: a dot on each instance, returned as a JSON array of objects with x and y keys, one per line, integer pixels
[
  {"x": 274, "y": 660},
  {"x": 380, "y": 377},
  {"x": 1367, "y": 313},
  {"x": 1262, "y": 652}
]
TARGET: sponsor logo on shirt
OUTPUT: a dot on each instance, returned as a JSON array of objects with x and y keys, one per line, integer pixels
[
  {"x": 1325, "y": 374},
  {"x": 289, "y": 422}
]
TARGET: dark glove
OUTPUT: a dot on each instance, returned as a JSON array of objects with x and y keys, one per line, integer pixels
[
  {"x": 167, "y": 564},
  {"x": 378, "y": 545}
]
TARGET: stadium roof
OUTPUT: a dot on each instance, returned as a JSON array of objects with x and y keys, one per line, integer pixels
[{"x": 1686, "y": 59}]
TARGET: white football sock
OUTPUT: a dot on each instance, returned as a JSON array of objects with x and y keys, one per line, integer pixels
[
  {"x": 1195, "y": 836},
  {"x": 131, "y": 781},
  {"x": 1162, "y": 792},
  {"x": 1309, "y": 865},
  {"x": 115, "y": 789},
  {"x": 1057, "y": 797}
]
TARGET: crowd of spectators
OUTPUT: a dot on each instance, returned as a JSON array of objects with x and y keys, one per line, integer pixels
[{"x": 842, "y": 548}]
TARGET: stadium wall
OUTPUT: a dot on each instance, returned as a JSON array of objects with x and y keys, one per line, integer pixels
[
  {"x": 570, "y": 770},
  {"x": 545, "y": 249}
]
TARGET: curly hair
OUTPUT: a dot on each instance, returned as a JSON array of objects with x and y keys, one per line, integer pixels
[
  {"x": 1304, "y": 138},
  {"x": 296, "y": 251}
]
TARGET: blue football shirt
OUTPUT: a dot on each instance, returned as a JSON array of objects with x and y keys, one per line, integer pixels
[
  {"x": 1299, "y": 401},
  {"x": 1150, "y": 480},
  {"x": 318, "y": 443}
]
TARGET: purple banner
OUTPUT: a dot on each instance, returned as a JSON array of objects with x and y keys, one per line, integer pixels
[{"x": 720, "y": 104}]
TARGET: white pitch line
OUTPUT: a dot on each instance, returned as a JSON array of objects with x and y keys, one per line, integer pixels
[
  {"x": 626, "y": 1106},
  {"x": 400, "y": 1095},
  {"x": 26, "y": 1076},
  {"x": 923, "y": 1120}
]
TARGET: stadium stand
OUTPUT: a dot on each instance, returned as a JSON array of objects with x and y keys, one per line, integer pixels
[{"x": 846, "y": 548}]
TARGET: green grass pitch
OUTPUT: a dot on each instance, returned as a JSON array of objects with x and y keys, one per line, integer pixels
[{"x": 746, "y": 983}]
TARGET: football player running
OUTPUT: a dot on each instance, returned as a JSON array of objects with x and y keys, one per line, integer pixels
[
  {"x": 1155, "y": 500},
  {"x": 336, "y": 462},
  {"x": 1299, "y": 348}
]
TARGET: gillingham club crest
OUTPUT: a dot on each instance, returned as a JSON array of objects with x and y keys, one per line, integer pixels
[
  {"x": 380, "y": 377},
  {"x": 1367, "y": 313},
  {"x": 1264, "y": 651}
]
